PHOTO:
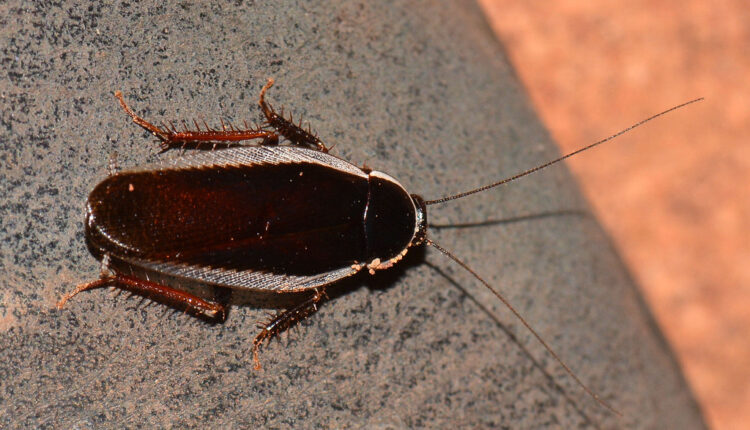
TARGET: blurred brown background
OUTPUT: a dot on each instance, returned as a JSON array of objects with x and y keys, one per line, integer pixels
[{"x": 675, "y": 195}]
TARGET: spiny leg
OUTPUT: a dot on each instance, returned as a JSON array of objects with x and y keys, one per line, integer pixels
[
  {"x": 285, "y": 320},
  {"x": 199, "y": 139},
  {"x": 157, "y": 292},
  {"x": 286, "y": 127}
]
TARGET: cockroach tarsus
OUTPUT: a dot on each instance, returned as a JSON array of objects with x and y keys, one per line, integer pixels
[{"x": 276, "y": 247}]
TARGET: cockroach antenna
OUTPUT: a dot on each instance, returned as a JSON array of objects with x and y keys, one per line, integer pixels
[
  {"x": 538, "y": 337},
  {"x": 505, "y": 301},
  {"x": 549, "y": 163}
]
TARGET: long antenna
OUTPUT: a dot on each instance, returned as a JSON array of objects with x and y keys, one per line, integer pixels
[
  {"x": 523, "y": 321},
  {"x": 549, "y": 163}
]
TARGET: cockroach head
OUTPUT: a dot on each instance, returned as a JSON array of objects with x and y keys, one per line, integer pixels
[{"x": 421, "y": 224}]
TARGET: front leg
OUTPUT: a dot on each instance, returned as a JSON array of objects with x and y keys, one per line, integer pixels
[
  {"x": 200, "y": 139},
  {"x": 286, "y": 127},
  {"x": 285, "y": 320}
]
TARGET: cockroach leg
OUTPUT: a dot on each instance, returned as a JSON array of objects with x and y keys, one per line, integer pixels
[
  {"x": 271, "y": 140},
  {"x": 157, "y": 292},
  {"x": 285, "y": 320},
  {"x": 99, "y": 283},
  {"x": 286, "y": 127},
  {"x": 199, "y": 138}
]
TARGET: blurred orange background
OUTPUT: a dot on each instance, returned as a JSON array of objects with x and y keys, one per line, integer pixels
[{"x": 675, "y": 194}]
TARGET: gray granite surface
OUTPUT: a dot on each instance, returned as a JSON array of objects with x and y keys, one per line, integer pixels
[{"x": 420, "y": 90}]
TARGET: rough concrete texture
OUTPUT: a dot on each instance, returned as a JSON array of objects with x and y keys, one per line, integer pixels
[{"x": 420, "y": 90}]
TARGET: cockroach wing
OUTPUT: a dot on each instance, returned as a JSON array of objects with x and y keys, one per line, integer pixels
[
  {"x": 258, "y": 217},
  {"x": 248, "y": 279}
]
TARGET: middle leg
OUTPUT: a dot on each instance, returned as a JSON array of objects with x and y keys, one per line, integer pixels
[
  {"x": 285, "y": 320},
  {"x": 286, "y": 127}
]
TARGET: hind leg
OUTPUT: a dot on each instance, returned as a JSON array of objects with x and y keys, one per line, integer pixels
[{"x": 160, "y": 293}]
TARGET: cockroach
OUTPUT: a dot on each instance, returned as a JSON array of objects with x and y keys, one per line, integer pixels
[{"x": 264, "y": 217}]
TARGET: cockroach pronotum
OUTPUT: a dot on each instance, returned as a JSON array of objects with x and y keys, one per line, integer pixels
[{"x": 268, "y": 217}]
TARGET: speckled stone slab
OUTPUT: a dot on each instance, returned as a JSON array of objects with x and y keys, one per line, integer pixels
[{"x": 420, "y": 90}]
